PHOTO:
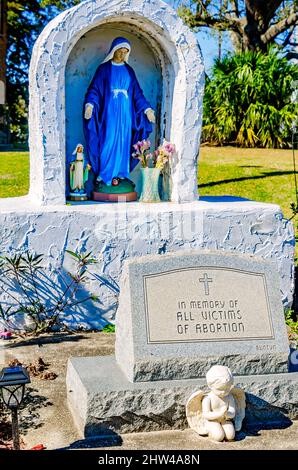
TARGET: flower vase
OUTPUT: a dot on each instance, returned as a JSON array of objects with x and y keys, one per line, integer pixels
[{"x": 150, "y": 183}]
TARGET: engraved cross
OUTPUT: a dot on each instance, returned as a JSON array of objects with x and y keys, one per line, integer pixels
[{"x": 206, "y": 281}]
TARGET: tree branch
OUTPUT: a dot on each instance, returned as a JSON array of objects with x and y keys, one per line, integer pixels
[
  {"x": 227, "y": 23},
  {"x": 235, "y": 8},
  {"x": 263, "y": 9},
  {"x": 279, "y": 27}
]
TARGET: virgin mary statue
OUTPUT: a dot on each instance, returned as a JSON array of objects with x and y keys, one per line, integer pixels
[{"x": 116, "y": 116}]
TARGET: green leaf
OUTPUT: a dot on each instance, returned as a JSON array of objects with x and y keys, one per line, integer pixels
[
  {"x": 247, "y": 101},
  {"x": 73, "y": 254},
  {"x": 109, "y": 328}
]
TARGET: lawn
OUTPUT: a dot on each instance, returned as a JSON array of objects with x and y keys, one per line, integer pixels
[
  {"x": 14, "y": 174},
  {"x": 259, "y": 174}
]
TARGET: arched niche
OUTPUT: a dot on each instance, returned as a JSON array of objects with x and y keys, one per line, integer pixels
[
  {"x": 153, "y": 68},
  {"x": 174, "y": 49}
]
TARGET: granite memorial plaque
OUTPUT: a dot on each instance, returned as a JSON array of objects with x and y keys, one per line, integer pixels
[
  {"x": 206, "y": 304},
  {"x": 181, "y": 313}
]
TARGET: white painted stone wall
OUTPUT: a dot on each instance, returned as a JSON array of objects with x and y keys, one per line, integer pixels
[
  {"x": 176, "y": 49},
  {"x": 116, "y": 232},
  {"x": 43, "y": 223}
]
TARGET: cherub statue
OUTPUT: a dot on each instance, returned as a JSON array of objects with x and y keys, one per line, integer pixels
[
  {"x": 219, "y": 413},
  {"x": 79, "y": 170}
]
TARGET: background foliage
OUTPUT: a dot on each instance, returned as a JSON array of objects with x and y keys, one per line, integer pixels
[
  {"x": 247, "y": 101},
  {"x": 25, "y": 20},
  {"x": 252, "y": 24},
  {"x": 247, "y": 97}
]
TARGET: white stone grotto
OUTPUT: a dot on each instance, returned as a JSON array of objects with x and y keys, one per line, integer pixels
[{"x": 169, "y": 65}]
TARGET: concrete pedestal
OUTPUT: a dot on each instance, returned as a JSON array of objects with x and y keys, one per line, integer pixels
[
  {"x": 116, "y": 232},
  {"x": 103, "y": 401}
]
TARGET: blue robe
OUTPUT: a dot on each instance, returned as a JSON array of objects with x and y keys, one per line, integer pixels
[{"x": 118, "y": 121}]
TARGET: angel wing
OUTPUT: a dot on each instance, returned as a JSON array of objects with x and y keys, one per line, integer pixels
[
  {"x": 194, "y": 413},
  {"x": 240, "y": 401}
]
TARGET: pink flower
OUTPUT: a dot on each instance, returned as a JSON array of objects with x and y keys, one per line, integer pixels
[
  {"x": 169, "y": 147},
  {"x": 5, "y": 334},
  {"x": 142, "y": 146},
  {"x": 156, "y": 159},
  {"x": 146, "y": 144}
]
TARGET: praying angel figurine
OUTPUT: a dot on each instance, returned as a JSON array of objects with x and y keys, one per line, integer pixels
[{"x": 219, "y": 413}]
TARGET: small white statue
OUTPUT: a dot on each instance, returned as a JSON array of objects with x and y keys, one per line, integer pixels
[
  {"x": 79, "y": 170},
  {"x": 219, "y": 413}
]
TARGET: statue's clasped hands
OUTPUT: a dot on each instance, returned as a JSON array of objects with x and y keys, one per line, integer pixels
[{"x": 223, "y": 412}]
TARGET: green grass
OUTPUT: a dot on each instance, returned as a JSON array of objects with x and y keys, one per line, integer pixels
[
  {"x": 14, "y": 174},
  {"x": 265, "y": 175},
  {"x": 259, "y": 174}
]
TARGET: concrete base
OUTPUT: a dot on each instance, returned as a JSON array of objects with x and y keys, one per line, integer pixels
[
  {"x": 122, "y": 231},
  {"x": 103, "y": 401}
]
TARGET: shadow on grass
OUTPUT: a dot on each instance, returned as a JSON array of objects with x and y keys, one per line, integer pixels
[
  {"x": 251, "y": 166},
  {"x": 246, "y": 178}
]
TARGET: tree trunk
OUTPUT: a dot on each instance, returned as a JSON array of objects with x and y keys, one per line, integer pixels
[
  {"x": 258, "y": 16},
  {"x": 256, "y": 26},
  {"x": 236, "y": 39},
  {"x": 3, "y": 47}
]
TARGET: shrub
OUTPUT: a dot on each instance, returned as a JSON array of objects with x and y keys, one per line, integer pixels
[
  {"x": 24, "y": 285},
  {"x": 247, "y": 101}
]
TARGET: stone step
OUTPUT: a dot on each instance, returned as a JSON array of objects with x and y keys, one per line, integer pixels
[{"x": 102, "y": 400}]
